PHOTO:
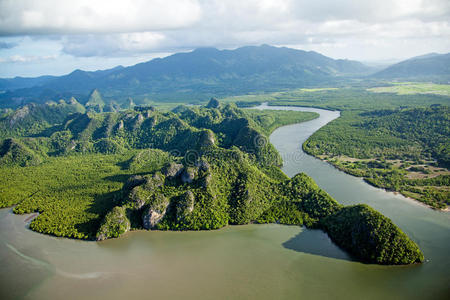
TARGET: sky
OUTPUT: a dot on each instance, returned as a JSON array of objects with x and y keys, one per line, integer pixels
[{"x": 55, "y": 37}]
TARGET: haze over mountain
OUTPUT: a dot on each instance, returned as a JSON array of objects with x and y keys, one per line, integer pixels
[
  {"x": 202, "y": 71},
  {"x": 207, "y": 72},
  {"x": 428, "y": 65}
]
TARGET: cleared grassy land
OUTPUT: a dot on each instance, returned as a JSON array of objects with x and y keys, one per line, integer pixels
[
  {"x": 356, "y": 99},
  {"x": 411, "y": 88}
]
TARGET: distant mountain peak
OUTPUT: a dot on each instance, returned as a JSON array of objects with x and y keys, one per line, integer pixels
[
  {"x": 423, "y": 66},
  {"x": 204, "y": 72},
  {"x": 206, "y": 49},
  {"x": 95, "y": 101}
]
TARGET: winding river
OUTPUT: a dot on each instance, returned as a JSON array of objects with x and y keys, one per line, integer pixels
[{"x": 236, "y": 262}]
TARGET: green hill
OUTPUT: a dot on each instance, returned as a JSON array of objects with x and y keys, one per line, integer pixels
[
  {"x": 426, "y": 66},
  {"x": 14, "y": 153},
  {"x": 386, "y": 243},
  {"x": 95, "y": 102},
  {"x": 194, "y": 168},
  {"x": 200, "y": 74},
  {"x": 34, "y": 118}
]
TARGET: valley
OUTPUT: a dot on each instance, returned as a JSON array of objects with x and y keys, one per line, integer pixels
[
  {"x": 396, "y": 142},
  {"x": 111, "y": 163},
  {"x": 192, "y": 149},
  {"x": 241, "y": 251}
]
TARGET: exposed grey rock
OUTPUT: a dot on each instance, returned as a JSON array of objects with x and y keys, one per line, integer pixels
[
  {"x": 154, "y": 182},
  {"x": 185, "y": 205},
  {"x": 151, "y": 218},
  {"x": 73, "y": 101},
  {"x": 136, "y": 183},
  {"x": 101, "y": 237},
  {"x": 153, "y": 121},
  {"x": 203, "y": 165},
  {"x": 133, "y": 181},
  {"x": 188, "y": 175},
  {"x": 120, "y": 126},
  {"x": 72, "y": 145},
  {"x": 114, "y": 224},
  {"x": 20, "y": 113},
  {"x": 135, "y": 199},
  {"x": 172, "y": 170},
  {"x": 206, "y": 180},
  {"x": 137, "y": 121},
  {"x": 213, "y": 103},
  {"x": 155, "y": 212},
  {"x": 207, "y": 138}
]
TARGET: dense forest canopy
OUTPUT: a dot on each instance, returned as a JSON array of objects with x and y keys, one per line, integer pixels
[
  {"x": 396, "y": 140},
  {"x": 98, "y": 175}
]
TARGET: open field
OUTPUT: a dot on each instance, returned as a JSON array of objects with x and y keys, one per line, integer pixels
[{"x": 411, "y": 88}]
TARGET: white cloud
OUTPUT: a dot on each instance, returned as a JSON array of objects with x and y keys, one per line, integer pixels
[
  {"x": 27, "y": 59},
  {"x": 371, "y": 11},
  {"x": 112, "y": 44},
  {"x": 99, "y": 16},
  {"x": 113, "y": 29}
]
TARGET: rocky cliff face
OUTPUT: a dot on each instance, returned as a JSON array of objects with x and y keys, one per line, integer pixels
[
  {"x": 155, "y": 212},
  {"x": 115, "y": 224},
  {"x": 226, "y": 188},
  {"x": 185, "y": 206}
]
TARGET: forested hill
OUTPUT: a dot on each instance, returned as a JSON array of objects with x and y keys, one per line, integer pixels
[
  {"x": 425, "y": 66},
  {"x": 204, "y": 71},
  {"x": 98, "y": 175}
]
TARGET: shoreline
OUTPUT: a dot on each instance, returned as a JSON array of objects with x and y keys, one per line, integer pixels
[{"x": 446, "y": 209}]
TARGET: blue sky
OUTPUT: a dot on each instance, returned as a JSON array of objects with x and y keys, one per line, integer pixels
[{"x": 56, "y": 37}]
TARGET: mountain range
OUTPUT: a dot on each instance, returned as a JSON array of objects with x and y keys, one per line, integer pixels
[
  {"x": 424, "y": 66},
  {"x": 207, "y": 72}
]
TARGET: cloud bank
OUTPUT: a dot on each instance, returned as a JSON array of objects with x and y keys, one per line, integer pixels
[{"x": 339, "y": 28}]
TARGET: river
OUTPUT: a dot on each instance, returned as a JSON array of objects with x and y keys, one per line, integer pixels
[{"x": 237, "y": 262}]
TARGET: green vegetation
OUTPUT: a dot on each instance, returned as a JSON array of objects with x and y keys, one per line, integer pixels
[
  {"x": 366, "y": 233},
  {"x": 32, "y": 119},
  {"x": 71, "y": 193},
  {"x": 396, "y": 142},
  {"x": 411, "y": 88},
  {"x": 427, "y": 67},
  {"x": 269, "y": 120},
  {"x": 400, "y": 150},
  {"x": 344, "y": 99},
  {"x": 114, "y": 224},
  {"x": 14, "y": 153},
  {"x": 95, "y": 102},
  {"x": 76, "y": 168},
  {"x": 193, "y": 168},
  {"x": 197, "y": 75}
]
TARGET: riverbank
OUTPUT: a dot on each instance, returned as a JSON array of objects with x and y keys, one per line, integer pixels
[
  {"x": 251, "y": 261},
  {"x": 335, "y": 162}
]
